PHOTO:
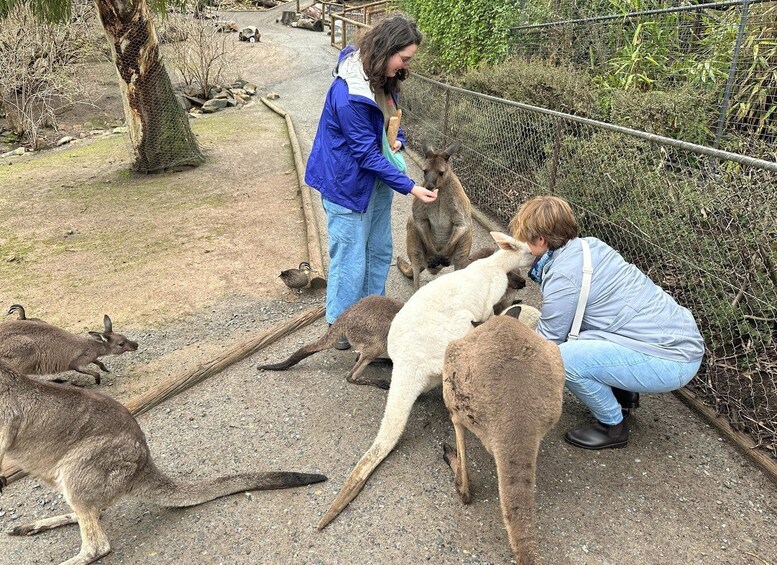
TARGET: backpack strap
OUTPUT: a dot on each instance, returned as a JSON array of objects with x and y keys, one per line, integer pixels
[{"x": 584, "y": 291}]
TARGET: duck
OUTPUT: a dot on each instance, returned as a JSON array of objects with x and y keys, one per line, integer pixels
[
  {"x": 22, "y": 315},
  {"x": 297, "y": 278}
]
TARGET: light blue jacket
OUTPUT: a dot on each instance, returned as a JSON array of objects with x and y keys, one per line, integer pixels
[
  {"x": 624, "y": 306},
  {"x": 346, "y": 158}
]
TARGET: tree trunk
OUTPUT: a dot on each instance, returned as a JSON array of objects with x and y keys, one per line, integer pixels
[{"x": 158, "y": 125}]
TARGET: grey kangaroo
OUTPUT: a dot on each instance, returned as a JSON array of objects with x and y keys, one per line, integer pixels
[
  {"x": 37, "y": 348},
  {"x": 440, "y": 233},
  {"x": 91, "y": 449}
]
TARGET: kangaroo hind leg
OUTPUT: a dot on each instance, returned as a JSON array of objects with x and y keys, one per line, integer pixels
[{"x": 94, "y": 542}]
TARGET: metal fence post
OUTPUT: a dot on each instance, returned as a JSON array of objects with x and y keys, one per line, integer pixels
[
  {"x": 732, "y": 72},
  {"x": 556, "y": 151},
  {"x": 445, "y": 118}
]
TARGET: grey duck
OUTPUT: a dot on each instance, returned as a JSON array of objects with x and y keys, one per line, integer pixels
[{"x": 297, "y": 278}]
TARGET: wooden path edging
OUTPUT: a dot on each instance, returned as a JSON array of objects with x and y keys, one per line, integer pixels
[{"x": 311, "y": 225}]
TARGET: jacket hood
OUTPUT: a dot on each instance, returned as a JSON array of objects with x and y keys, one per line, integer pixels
[{"x": 350, "y": 69}]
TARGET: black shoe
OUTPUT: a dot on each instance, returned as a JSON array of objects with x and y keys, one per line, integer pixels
[
  {"x": 627, "y": 399},
  {"x": 599, "y": 436},
  {"x": 342, "y": 344}
]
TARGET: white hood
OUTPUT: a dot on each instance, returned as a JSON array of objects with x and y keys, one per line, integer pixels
[{"x": 352, "y": 72}]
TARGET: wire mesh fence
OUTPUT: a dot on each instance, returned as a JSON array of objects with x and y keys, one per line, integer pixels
[
  {"x": 726, "y": 50},
  {"x": 699, "y": 222}
]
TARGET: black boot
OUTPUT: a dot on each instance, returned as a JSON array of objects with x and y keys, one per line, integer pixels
[
  {"x": 599, "y": 436},
  {"x": 627, "y": 399}
]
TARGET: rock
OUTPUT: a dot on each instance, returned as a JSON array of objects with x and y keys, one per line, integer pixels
[
  {"x": 120, "y": 129},
  {"x": 17, "y": 151},
  {"x": 273, "y": 96},
  {"x": 65, "y": 140},
  {"x": 214, "y": 105}
]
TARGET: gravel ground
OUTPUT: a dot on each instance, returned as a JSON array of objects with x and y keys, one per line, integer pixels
[{"x": 677, "y": 494}]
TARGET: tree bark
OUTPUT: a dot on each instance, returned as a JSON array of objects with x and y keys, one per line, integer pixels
[{"x": 158, "y": 125}]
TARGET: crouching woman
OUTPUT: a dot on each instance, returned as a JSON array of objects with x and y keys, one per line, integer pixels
[{"x": 633, "y": 336}]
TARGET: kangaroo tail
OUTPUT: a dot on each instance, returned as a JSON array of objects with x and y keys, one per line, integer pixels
[
  {"x": 154, "y": 486},
  {"x": 326, "y": 341}
]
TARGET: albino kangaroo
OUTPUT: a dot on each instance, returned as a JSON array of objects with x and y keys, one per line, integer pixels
[
  {"x": 436, "y": 314},
  {"x": 515, "y": 280},
  {"x": 366, "y": 326},
  {"x": 504, "y": 383},
  {"x": 37, "y": 348},
  {"x": 90, "y": 448},
  {"x": 438, "y": 233}
]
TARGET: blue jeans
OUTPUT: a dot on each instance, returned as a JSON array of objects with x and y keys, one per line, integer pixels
[
  {"x": 593, "y": 367},
  {"x": 360, "y": 251}
]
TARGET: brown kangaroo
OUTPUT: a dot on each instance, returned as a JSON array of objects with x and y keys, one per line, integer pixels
[
  {"x": 91, "y": 449},
  {"x": 438, "y": 233},
  {"x": 504, "y": 383},
  {"x": 366, "y": 326},
  {"x": 37, "y": 348}
]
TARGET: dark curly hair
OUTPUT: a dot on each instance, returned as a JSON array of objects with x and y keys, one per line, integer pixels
[{"x": 382, "y": 42}]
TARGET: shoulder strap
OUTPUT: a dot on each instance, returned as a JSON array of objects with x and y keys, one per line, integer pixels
[{"x": 584, "y": 290}]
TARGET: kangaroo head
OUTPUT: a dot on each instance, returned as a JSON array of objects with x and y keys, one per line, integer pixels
[
  {"x": 436, "y": 165},
  {"x": 116, "y": 343}
]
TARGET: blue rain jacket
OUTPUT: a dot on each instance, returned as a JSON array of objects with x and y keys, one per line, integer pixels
[{"x": 346, "y": 158}]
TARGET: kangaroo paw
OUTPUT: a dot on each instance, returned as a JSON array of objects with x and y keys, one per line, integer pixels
[{"x": 449, "y": 453}]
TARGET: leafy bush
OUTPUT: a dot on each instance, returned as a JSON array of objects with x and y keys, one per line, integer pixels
[
  {"x": 681, "y": 113},
  {"x": 538, "y": 83},
  {"x": 464, "y": 33}
]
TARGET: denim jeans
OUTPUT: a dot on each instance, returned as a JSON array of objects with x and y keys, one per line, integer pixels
[
  {"x": 594, "y": 366},
  {"x": 360, "y": 251}
]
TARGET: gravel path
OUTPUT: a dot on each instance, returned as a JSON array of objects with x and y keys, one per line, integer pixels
[{"x": 677, "y": 494}]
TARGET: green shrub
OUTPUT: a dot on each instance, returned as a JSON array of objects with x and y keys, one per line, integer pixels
[
  {"x": 539, "y": 83},
  {"x": 681, "y": 113}
]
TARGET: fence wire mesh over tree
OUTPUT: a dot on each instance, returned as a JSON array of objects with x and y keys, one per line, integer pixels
[
  {"x": 158, "y": 125},
  {"x": 726, "y": 51},
  {"x": 699, "y": 222}
]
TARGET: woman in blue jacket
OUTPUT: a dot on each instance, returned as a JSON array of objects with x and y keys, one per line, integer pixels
[
  {"x": 633, "y": 337},
  {"x": 353, "y": 167}
]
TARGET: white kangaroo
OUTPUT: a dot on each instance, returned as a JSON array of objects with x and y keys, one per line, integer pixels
[{"x": 440, "y": 311}]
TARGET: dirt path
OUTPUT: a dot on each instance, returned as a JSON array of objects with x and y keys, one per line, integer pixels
[{"x": 677, "y": 494}]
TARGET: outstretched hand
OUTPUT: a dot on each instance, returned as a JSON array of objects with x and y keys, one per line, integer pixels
[{"x": 423, "y": 194}]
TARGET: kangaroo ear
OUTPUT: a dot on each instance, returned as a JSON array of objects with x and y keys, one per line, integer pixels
[
  {"x": 504, "y": 241},
  {"x": 427, "y": 150},
  {"x": 98, "y": 337},
  {"x": 451, "y": 149},
  {"x": 108, "y": 324}
]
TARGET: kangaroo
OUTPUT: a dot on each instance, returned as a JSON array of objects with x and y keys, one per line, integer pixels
[
  {"x": 38, "y": 348},
  {"x": 439, "y": 233},
  {"x": 504, "y": 383},
  {"x": 515, "y": 280},
  {"x": 440, "y": 311},
  {"x": 92, "y": 450},
  {"x": 366, "y": 326}
]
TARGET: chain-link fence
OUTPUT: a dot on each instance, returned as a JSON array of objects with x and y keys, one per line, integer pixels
[
  {"x": 726, "y": 51},
  {"x": 699, "y": 222}
]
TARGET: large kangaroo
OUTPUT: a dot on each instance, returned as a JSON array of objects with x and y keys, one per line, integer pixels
[
  {"x": 438, "y": 233},
  {"x": 90, "y": 448}
]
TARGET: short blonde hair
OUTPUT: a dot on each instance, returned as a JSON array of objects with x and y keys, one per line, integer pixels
[{"x": 550, "y": 217}]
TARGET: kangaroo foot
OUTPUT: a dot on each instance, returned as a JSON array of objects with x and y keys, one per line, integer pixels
[
  {"x": 43, "y": 525},
  {"x": 450, "y": 455},
  {"x": 3, "y": 483}
]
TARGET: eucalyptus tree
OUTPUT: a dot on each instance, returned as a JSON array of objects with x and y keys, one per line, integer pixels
[{"x": 158, "y": 126}]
